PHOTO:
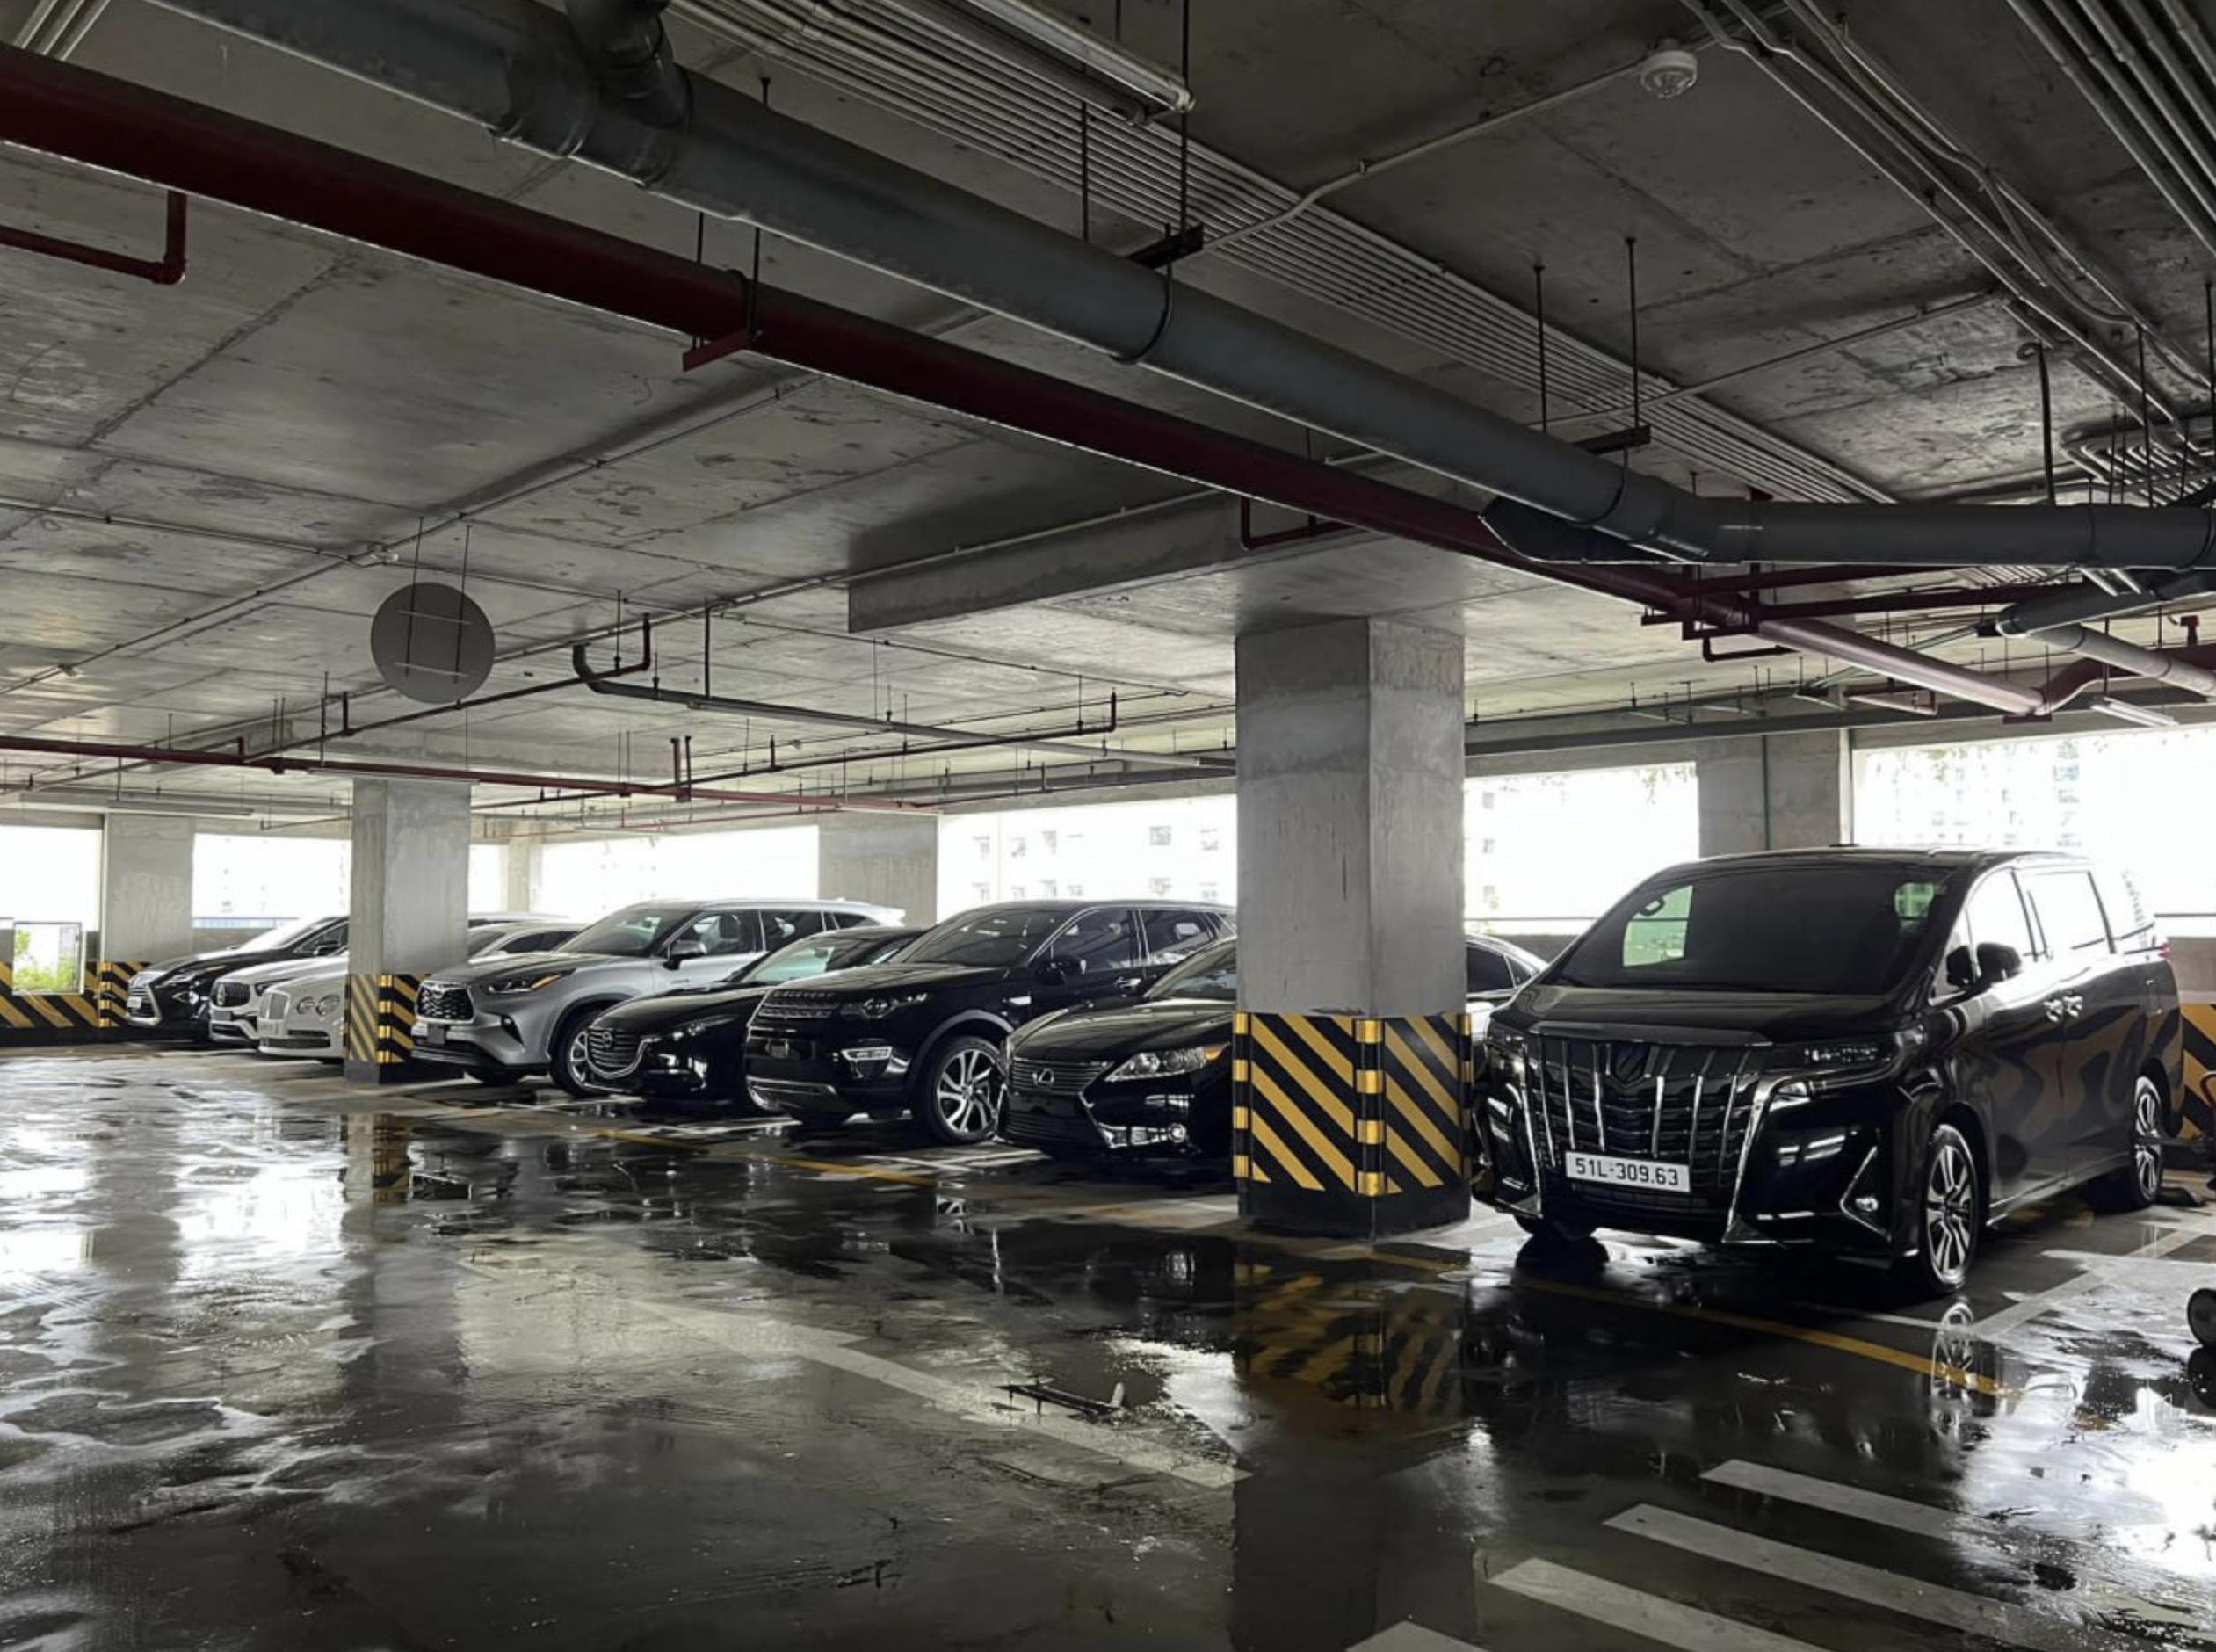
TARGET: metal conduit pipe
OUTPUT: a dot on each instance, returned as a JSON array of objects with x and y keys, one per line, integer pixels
[
  {"x": 626, "y": 43},
  {"x": 143, "y": 134},
  {"x": 2043, "y": 613},
  {"x": 2133, "y": 660},
  {"x": 2082, "y": 676},
  {"x": 513, "y": 67},
  {"x": 2183, "y": 141}
]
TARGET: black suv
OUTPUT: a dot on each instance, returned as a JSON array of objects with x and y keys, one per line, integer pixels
[
  {"x": 692, "y": 1042},
  {"x": 1878, "y": 1052},
  {"x": 925, "y": 1035},
  {"x": 173, "y": 995},
  {"x": 1102, "y": 1078}
]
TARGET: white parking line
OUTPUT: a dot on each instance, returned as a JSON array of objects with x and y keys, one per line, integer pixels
[
  {"x": 2099, "y": 1265},
  {"x": 1657, "y": 1618},
  {"x": 1412, "y": 1637},
  {"x": 1950, "y": 1608}
]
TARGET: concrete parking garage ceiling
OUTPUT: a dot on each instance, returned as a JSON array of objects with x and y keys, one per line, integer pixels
[{"x": 206, "y": 489}]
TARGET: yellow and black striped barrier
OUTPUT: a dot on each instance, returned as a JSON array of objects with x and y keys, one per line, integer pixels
[
  {"x": 112, "y": 990},
  {"x": 1350, "y": 1125},
  {"x": 381, "y": 1027},
  {"x": 2198, "y": 1103},
  {"x": 1308, "y": 1338}
]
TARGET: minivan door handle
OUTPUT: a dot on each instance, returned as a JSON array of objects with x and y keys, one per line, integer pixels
[{"x": 2063, "y": 1006}]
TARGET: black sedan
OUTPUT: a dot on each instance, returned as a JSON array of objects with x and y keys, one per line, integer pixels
[
  {"x": 692, "y": 1044},
  {"x": 1157, "y": 1072}
]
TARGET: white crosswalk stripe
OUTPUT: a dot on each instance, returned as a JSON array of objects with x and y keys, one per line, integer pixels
[
  {"x": 1654, "y": 1616},
  {"x": 1897, "y": 1512},
  {"x": 1950, "y": 1608}
]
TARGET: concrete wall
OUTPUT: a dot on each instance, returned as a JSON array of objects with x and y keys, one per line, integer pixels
[{"x": 892, "y": 859}]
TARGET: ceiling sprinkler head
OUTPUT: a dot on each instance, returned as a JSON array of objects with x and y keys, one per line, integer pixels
[{"x": 1670, "y": 71}]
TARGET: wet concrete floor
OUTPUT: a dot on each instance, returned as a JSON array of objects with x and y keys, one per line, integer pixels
[{"x": 289, "y": 1366}]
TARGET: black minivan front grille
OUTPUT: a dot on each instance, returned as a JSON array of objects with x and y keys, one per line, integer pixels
[{"x": 1670, "y": 1103}]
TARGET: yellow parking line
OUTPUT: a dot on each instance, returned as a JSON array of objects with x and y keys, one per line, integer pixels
[{"x": 1923, "y": 1365}]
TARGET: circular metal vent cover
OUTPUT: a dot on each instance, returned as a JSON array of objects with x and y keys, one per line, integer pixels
[{"x": 431, "y": 643}]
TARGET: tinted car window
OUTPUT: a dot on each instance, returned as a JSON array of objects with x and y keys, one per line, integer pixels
[
  {"x": 1211, "y": 973},
  {"x": 2069, "y": 912},
  {"x": 1850, "y": 928},
  {"x": 1994, "y": 915},
  {"x": 1097, "y": 943},
  {"x": 994, "y": 937},
  {"x": 2128, "y": 918},
  {"x": 780, "y": 928},
  {"x": 797, "y": 961},
  {"x": 1485, "y": 970},
  {"x": 1172, "y": 936},
  {"x": 324, "y": 946}
]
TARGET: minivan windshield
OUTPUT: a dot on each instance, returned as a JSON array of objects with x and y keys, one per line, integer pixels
[
  {"x": 634, "y": 932},
  {"x": 995, "y": 938},
  {"x": 1850, "y": 928},
  {"x": 1211, "y": 973}
]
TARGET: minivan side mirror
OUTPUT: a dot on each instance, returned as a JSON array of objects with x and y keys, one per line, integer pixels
[
  {"x": 682, "y": 952},
  {"x": 1997, "y": 962}
]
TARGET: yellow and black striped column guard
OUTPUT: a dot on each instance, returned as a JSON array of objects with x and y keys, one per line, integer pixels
[
  {"x": 381, "y": 1021},
  {"x": 2198, "y": 1103},
  {"x": 1350, "y": 1125},
  {"x": 112, "y": 990}
]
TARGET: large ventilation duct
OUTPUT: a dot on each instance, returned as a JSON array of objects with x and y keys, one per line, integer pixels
[
  {"x": 517, "y": 69},
  {"x": 2133, "y": 661},
  {"x": 2080, "y": 607}
]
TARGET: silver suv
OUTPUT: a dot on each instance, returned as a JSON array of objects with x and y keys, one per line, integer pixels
[{"x": 503, "y": 1019}]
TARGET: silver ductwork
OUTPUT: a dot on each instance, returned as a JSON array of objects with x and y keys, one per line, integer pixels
[
  {"x": 515, "y": 68},
  {"x": 2080, "y": 607},
  {"x": 2132, "y": 660}
]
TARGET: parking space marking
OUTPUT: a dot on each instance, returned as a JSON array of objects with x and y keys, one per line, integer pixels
[
  {"x": 1896, "y": 1512},
  {"x": 1655, "y": 1617},
  {"x": 1412, "y": 1636},
  {"x": 2098, "y": 1266},
  {"x": 1933, "y": 1603}
]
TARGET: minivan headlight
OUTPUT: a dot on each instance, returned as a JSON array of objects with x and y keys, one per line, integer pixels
[{"x": 1833, "y": 1061}]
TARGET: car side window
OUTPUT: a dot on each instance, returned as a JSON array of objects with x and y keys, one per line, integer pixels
[
  {"x": 1485, "y": 970},
  {"x": 780, "y": 928},
  {"x": 1993, "y": 915},
  {"x": 725, "y": 934},
  {"x": 2070, "y": 913},
  {"x": 2128, "y": 918},
  {"x": 332, "y": 941},
  {"x": 1097, "y": 943},
  {"x": 1173, "y": 935}
]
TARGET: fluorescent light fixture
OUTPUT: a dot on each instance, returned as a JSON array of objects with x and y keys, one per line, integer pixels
[
  {"x": 2125, "y": 711},
  {"x": 93, "y": 800},
  {"x": 1103, "y": 58}
]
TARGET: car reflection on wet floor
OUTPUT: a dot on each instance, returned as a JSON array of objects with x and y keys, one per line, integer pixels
[{"x": 283, "y": 1367}]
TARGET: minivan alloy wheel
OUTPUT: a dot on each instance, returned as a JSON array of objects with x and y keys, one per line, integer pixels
[
  {"x": 966, "y": 1094},
  {"x": 2147, "y": 1131},
  {"x": 1951, "y": 1208}
]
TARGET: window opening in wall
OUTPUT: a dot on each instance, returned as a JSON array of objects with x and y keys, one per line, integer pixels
[
  {"x": 1547, "y": 853},
  {"x": 50, "y": 895}
]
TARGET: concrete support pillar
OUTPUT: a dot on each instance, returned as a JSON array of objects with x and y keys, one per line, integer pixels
[
  {"x": 146, "y": 888},
  {"x": 892, "y": 859},
  {"x": 521, "y": 863},
  {"x": 1775, "y": 792},
  {"x": 1351, "y": 1074},
  {"x": 410, "y": 899}
]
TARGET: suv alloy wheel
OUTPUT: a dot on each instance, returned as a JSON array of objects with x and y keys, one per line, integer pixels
[
  {"x": 1950, "y": 1216},
  {"x": 962, "y": 1090}
]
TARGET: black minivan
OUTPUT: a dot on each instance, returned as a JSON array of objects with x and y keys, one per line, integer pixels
[{"x": 1876, "y": 1052}]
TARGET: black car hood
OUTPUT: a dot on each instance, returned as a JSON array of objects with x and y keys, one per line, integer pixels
[
  {"x": 1112, "y": 1034},
  {"x": 227, "y": 960},
  {"x": 673, "y": 1009},
  {"x": 1779, "y": 1017},
  {"x": 876, "y": 980}
]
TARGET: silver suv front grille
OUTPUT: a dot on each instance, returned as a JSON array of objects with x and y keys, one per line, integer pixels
[
  {"x": 1053, "y": 1078},
  {"x": 443, "y": 1001},
  {"x": 1673, "y": 1104}
]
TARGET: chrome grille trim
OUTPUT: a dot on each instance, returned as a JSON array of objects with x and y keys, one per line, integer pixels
[
  {"x": 613, "y": 1053},
  {"x": 444, "y": 1001},
  {"x": 798, "y": 1006},
  {"x": 1655, "y": 1099},
  {"x": 230, "y": 995},
  {"x": 1054, "y": 1078}
]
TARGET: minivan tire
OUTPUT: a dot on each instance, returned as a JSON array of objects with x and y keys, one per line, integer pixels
[
  {"x": 1950, "y": 1209},
  {"x": 2139, "y": 1183},
  {"x": 565, "y": 1053},
  {"x": 960, "y": 1091}
]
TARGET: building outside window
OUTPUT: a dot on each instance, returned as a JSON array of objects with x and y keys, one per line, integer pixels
[
  {"x": 50, "y": 893},
  {"x": 587, "y": 877},
  {"x": 1158, "y": 836},
  {"x": 250, "y": 882},
  {"x": 1099, "y": 850},
  {"x": 2138, "y": 798},
  {"x": 1549, "y": 853}
]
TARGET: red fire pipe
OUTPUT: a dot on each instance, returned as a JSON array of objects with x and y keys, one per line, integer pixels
[
  {"x": 570, "y": 784},
  {"x": 166, "y": 271},
  {"x": 102, "y": 122}
]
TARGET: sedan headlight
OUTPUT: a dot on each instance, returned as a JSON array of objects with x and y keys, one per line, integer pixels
[
  {"x": 515, "y": 984},
  {"x": 877, "y": 1009},
  {"x": 1166, "y": 1063}
]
